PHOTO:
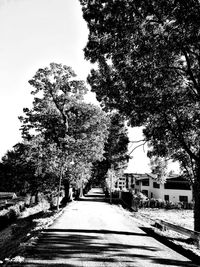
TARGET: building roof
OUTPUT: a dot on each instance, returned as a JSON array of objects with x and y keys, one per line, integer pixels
[{"x": 144, "y": 176}]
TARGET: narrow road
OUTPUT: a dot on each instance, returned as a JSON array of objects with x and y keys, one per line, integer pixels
[{"x": 94, "y": 233}]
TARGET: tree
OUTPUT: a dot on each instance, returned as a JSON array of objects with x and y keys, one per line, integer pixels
[
  {"x": 115, "y": 149},
  {"x": 66, "y": 128},
  {"x": 15, "y": 171},
  {"x": 27, "y": 168},
  {"x": 148, "y": 56},
  {"x": 159, "y": 168}
]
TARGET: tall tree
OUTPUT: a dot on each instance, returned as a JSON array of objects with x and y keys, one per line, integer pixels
[
  {"x": 71, "y": 128},
  {"x": 149, "y": 68},
  {"x": 116, "y": 149}
]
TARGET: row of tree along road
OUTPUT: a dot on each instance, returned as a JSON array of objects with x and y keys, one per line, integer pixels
[
  {"x": 66, "y": 141},
  {"x": 148, "y": 55}
]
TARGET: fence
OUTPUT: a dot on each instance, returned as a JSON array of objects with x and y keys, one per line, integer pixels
[{"x": 184, "y": 231}]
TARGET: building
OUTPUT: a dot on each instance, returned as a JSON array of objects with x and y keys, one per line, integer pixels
[{"x": 175, "y": 189}]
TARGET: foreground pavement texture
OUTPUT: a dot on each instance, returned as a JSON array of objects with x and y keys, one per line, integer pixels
[{"x": 94, "y": 233}]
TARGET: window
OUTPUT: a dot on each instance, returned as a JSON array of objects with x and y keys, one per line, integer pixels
[
  {"x": 137, "y": 183},
  {"x": 183, "y": 198},
  {"x": 156, "y": 185},
  {"x": 145, "y": 182},
  {"x": 166, "y": 197},
  {"x": 145, "y": 192},
  {"x": 177, "y": 185}
]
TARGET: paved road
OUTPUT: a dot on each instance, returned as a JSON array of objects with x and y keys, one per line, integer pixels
[{"x": 94, "y": 233}]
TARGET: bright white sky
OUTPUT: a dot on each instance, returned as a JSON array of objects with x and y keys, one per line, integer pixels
[{"x": 34, "y": 33}]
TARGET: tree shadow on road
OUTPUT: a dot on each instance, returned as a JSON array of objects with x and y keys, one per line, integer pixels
[{"x": 80, "y": 247}]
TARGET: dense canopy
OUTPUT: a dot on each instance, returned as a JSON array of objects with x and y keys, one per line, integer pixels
[{"x": 148, "y": 55}]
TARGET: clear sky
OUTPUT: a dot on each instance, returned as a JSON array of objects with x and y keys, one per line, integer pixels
[{"x": 34, "y": 33}]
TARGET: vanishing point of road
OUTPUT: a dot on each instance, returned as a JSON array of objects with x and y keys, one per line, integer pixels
[{"x": 93, "y": 233}]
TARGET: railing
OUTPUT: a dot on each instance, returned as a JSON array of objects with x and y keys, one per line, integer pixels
[{"x": 184, "y": 231}]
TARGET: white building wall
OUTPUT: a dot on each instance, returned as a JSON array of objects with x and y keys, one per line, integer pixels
[
  {"x": 174, "y": 194},
  {"x": 159, "y": 193}
]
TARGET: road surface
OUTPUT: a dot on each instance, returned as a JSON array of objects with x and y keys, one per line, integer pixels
[{"x": 92, "y": 233}]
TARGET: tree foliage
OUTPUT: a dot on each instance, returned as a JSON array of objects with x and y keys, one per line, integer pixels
[
  {"x": 59, "y": 128},
  {"x": 148, "y": 55},
  {"x": 115, "y": 149},
  {"x": 159, "y": 168},
  {"x": 15, "y": 171}
]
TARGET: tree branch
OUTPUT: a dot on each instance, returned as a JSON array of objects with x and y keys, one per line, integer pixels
[
  {"x": 137, "y": 147},
  {"x": 57, "y": 106},
  {"x": 190, "y": 71},
  {"x": 180, "y": 138},
  {"x": 138, "y": 141}
]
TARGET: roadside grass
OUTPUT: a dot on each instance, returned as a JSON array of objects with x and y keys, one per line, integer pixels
[
  {"x": 181, "y": 217},
  {"x": 15, "y": 237}
]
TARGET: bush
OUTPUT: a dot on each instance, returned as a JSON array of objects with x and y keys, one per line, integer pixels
[
  {"x": 8, "y": 216},
  {"x": 14, "y": 212}
]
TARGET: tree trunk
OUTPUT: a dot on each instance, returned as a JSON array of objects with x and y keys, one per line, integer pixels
[
  {"x": 66, "y": 187},
  {"x": 196, "y": 193},
  {"x": 81, "y": 191},
  {"x": 36, "y": 197}
]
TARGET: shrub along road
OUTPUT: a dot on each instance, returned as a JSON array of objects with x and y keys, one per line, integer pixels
[{"x": 94, "y": 233}]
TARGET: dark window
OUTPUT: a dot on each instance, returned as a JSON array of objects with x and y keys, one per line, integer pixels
[
  {"x": 137, "y": 183},
  {"x": 145, "y": 182},
  {"x": 166, "y": 197},
  {"x": 151, "y": 195},
  {"x": 156, "y": 185},
  {"x": 183, "y": 198},
  {"x": 177, "y": 185},
  {"x": 145, "y": 192}
]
